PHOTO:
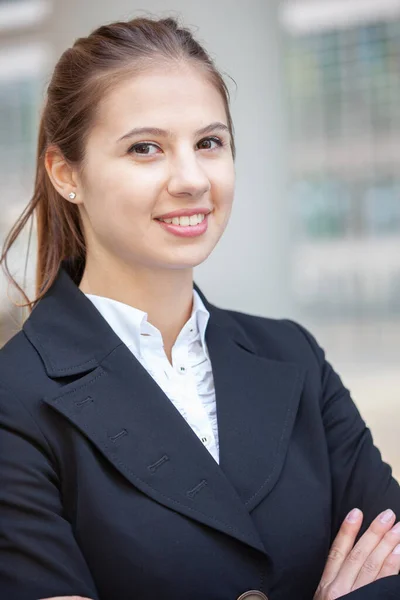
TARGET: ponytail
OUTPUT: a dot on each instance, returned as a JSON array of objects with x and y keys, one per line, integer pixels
[{"x": 59, "y": 231}]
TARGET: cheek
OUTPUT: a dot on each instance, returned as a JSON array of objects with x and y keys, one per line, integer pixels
[
  {"x": 224, "y": 181},
  {"x": 121, "y": 196},
  {"x": 223, "y": 191}
]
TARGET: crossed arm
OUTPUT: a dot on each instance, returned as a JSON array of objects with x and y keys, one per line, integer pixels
[{"x": 351, "y": 566}]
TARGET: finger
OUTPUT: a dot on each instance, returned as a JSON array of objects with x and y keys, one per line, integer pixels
[
  {"x": 391, "y": 566},
  {"x": 381, "y": 559},
  {"x": 342, "y": 545},
  {"x": 366, "y": 544}
]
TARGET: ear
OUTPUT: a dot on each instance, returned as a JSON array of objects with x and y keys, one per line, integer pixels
[{"x": 62, "y": 175}]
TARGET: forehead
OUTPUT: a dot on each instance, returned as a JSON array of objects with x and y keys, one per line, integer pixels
[{"x": 175, "y": 99}]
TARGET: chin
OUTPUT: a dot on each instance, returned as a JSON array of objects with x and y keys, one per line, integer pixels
[{"x": 190, "y": 258}]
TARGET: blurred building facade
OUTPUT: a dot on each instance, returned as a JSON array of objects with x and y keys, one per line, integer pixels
[
  {"x": 24, "y": 60},
  {"x": 344, "y": 90}
]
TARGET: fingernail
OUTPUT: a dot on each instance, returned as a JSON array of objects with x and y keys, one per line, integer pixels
[
  {"x": 396, "y": 528},
  {"x": 386, "y": 516},
  {"x": 353, "y": 515},
  {"x": 397, "y": 549}
]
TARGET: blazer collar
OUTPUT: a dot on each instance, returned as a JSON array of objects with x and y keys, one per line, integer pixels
[{"x": 72, "y": 337}]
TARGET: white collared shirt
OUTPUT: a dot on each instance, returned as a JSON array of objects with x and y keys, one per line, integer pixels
[{"x": 188, "y": 382}]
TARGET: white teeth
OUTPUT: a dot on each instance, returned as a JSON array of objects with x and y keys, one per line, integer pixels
[{"x": 186, "y": 221}]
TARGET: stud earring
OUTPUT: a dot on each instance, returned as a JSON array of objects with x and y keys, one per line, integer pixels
[{"x": 72, "y": 195}]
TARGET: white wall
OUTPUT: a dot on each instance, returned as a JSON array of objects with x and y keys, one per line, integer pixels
[{"x": 249, "y": 270}]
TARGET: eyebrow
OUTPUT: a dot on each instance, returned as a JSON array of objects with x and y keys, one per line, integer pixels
[{"x": 217, "y": 126}]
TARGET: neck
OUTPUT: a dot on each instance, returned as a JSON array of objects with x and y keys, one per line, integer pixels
[{"x": 166, "y": 295}]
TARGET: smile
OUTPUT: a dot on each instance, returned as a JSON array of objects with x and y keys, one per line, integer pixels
[
  {"x": 192, "y": 226},
  {"x": 186, "y": 221}
]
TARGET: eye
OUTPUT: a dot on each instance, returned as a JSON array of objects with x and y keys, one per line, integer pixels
[
  {"x": 143, "y": 149},
  {"x": 207, "y": 143}
]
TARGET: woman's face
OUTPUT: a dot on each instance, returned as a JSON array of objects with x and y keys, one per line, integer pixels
[{"x": 160, "y": 145}]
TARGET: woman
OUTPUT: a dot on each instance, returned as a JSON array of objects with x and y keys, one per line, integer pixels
[{"x": 153, "y": 445}]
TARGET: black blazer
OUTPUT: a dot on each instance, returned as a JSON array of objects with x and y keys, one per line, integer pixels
[{"x": 106, "y": 492}]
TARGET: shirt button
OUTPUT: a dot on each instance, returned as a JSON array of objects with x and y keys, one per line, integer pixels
[
  {"x": 204, "y": 439},
  {"x": 253, "y": 595},
  {"x": 182, "y": 369}
]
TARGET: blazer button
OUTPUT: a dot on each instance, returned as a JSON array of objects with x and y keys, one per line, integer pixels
[{"x": 253, "y": 595}]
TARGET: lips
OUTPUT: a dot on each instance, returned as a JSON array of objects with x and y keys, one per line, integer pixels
[{"x": 185, "y": 230}]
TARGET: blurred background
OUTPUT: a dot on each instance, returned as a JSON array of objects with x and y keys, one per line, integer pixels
[{"x": 315, "y": 231}]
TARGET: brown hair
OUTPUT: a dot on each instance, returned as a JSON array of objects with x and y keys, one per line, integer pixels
[{"x": 81, "y": 77}]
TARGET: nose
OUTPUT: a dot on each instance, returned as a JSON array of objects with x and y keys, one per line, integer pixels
[{"x": 187, "y": 177}]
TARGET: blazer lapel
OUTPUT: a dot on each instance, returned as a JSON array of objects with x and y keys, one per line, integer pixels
[
  {"x": 130, "y": 420},
  {"x": 257, "y": 402}
]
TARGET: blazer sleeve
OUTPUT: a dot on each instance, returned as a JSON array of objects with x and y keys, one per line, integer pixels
[
  {"x": 359, "y": 476},
  {"x": 39, "y": 556}
]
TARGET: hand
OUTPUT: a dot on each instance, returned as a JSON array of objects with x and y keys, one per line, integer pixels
[{"x": 376, "y": 555}]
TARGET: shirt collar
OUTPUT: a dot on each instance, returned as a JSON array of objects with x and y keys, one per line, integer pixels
[
  {"x": 131, "y": 324},
  {"x": 202, "y": 316}
]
